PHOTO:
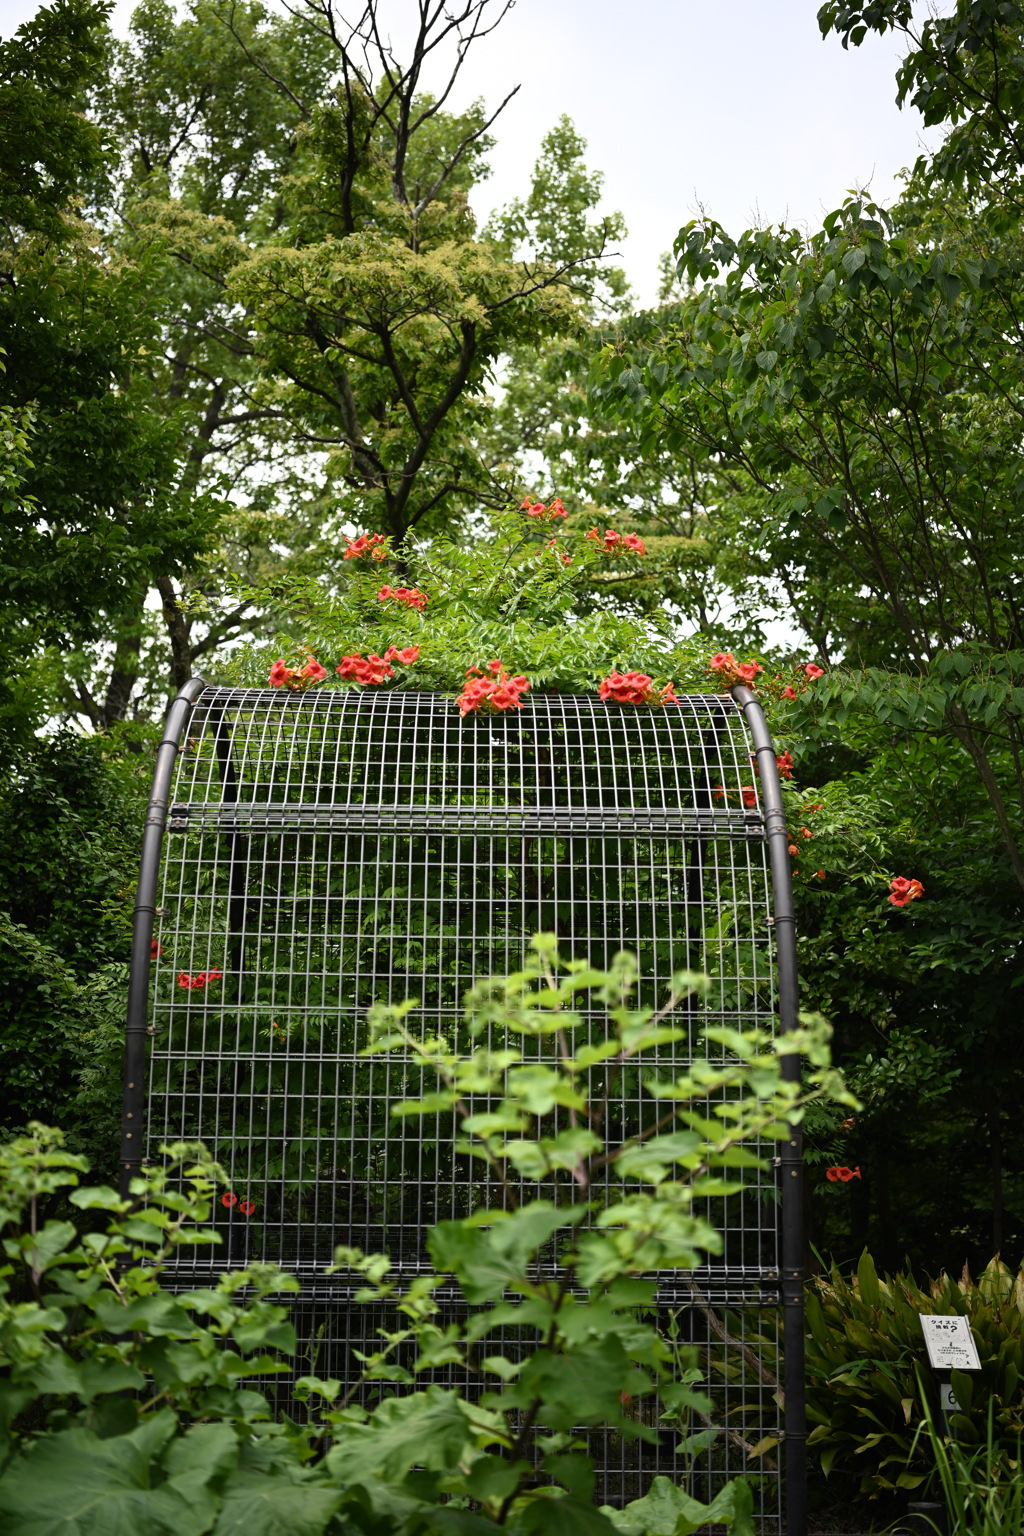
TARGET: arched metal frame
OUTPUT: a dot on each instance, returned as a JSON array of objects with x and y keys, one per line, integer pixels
[{"x": 235, "y": 821}]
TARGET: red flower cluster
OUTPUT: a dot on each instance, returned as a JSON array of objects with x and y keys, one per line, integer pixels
[
  {"x": 245, "y": 1206},
  {"x": 725, "y": 666},
  {"x": 904, "y": 891},
  {"x": 412, "y": 597},
  {"x": 369, "y": 670},
  {"x": 538, "y": 509},
  {"x": 613, "y": 540},
  {"x": 843, "y": 1175},
  {"x": 198, "y": 982},
  {"x": 811, "y": 671},
  {"x": 748, "y": 794},
  {"x": 155, "y": 950},
  {"x": 636, "y": 688},
  {"x": 295, "y": 679},
  {"x": 491, "y": 690},
  {"x": 372, "y": 544},
  {"x": 783, "y": 761}
]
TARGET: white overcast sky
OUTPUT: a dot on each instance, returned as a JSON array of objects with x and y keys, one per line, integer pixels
[{"x": 735, "y": 106}]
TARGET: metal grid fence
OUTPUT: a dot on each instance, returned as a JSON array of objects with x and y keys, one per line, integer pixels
[{"x": 332, "y": 850}]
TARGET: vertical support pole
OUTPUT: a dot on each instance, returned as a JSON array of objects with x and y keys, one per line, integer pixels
[
  {"x": 137, "y": 1022},
  {"x": 237, "y": 849},
  {"x": 236, "y": 1236},
  {"x": 791, "y": 1160}
]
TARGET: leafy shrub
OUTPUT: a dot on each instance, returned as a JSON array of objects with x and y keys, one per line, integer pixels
[
  {"x": 72, "y": 812},
  {"x": 123, "y": 1406},
  {"x": 866, "y": 1371}
]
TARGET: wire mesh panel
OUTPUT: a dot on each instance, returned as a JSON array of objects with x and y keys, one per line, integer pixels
[{"x": 328, "y": 851}]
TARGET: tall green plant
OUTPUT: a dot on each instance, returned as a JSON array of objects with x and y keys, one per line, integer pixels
[
  {"x": 984, "y": 1492},
  {"x": 123, "y": 1403},
  {"x": 865, "y": 1384}
]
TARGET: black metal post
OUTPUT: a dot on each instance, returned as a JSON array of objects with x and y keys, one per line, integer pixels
[
  {"x": 237, "y": 848},
  {"x": 791, "y": 1160},
  {"x": 137, "y": 1023}
]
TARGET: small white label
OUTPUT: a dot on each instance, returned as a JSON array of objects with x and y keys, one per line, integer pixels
[{"x": 949, "y": 1343}]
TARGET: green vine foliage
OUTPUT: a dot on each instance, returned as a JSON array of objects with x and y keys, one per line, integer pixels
[
  {"x": 124, "y": 1406},
  {"x": 540, "y": 594}
]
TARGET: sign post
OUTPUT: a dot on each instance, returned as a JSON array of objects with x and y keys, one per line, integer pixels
[{"x": 951, "y": 1347}]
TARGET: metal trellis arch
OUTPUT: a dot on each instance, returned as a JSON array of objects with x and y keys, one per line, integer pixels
[{"x": 307, "y": 855}]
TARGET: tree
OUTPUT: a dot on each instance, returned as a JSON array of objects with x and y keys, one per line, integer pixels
[
  {"x": 332, "y": 323},
  {"x": 924, "y": 998},
  {"x": 378, "y": 315},
  {"x": 857, "y": 393},
  {"x": 87, "y": 516},
  {"x": 70, "y": 809},
  {"x": 862, "y": 387},
  {"x": 202, "y": 141},
  {"x": 963, "y": 70}
]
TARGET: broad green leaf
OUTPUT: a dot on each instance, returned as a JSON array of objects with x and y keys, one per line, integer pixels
[
  {"x": 39, "y": 1250},
  {"x": 544, "y": 1515},
  {"x": 156, "y": 1315},
  {"x": 666, "y": 1510},
  {"x": 867, "y": 1280},
  {"x": 487, "y": 1262},
  {"x": 255, "y": 1504},
  {"x": 432, "y": 1429},
  {"x": 75, "y": 1484}
]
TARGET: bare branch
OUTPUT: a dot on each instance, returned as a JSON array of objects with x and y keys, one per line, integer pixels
[
  {"x": 258, "y": 64},
  {"x": 470, "y": 138}
]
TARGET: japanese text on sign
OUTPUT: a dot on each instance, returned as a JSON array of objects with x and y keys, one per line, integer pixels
[{"x": 949, "y": 1343}]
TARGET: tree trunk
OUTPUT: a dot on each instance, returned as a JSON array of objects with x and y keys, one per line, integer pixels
[
  {"x": 995, "y": 1142},
  {"x": 178, "y": 628},
  {"x": 124, "y": 673},
  {"x": 965, "y": 734}
]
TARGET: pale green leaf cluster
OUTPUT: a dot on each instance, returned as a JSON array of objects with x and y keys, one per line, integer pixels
[{"x": 127, "y": 1405}]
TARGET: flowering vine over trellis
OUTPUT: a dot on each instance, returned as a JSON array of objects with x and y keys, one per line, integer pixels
[
  {"x": 374, "y": 545},
  {"x": 538, "y": 509},
  {"x": 842, "y": 1175},
  {"x": 491, "y": 690},
  {"x": 616, "y": 542},
  {"x": 372, "y": 670},
  {"x": 296, "y": 679},
  {"x": 636, "y": 688},
  {"x": 229, "y": 1200},
  {"x": 611, "y": 555}
]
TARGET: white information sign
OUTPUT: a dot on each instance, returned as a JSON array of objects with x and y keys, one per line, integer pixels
[{"x": 949, "y": 1343}]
